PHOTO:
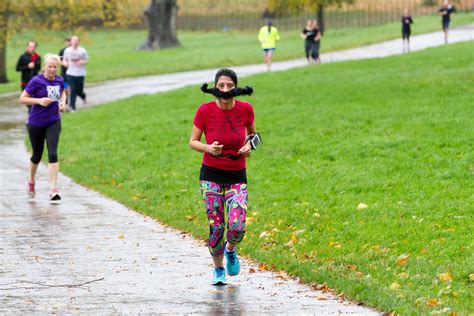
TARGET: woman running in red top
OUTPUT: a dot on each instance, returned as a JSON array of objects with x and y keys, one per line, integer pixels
[{"x": 229, "y": 128}]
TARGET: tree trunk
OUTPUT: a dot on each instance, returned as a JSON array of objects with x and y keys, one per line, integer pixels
[
  {"x": 161, "y": 15},
  {"x": 3, "y": 39},
  {"x": 320, "y": 17}
]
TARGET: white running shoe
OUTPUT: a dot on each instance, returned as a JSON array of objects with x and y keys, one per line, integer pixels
[{"x": 54, "y": 195}]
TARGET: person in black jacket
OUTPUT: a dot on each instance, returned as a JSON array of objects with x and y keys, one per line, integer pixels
[
  {"x": 445, "y": 12},
  {"x": 29, "y": 64},
  {"x": 312, "y": 36},
  {"x": 64, "y": 68},
  {"x": 406, "y": 29}
]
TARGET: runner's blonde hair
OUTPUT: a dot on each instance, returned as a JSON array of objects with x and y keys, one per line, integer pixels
[{"x": 55, "y": 57}]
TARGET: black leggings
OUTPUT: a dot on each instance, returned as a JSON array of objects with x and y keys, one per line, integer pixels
[
  {"x": 38, "y": 134},
  {"x": 311, "y": 48},
  {"x": 77, "y": 89},
  {"x": 406, "y": 34}
]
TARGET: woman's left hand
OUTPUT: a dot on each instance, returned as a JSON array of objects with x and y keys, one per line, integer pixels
[
  {"x": 62, "y": 107},
  {"x": 246, "y": 150}
]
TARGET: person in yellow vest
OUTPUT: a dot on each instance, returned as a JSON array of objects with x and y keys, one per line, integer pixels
[{"x": 268, "y": 36}]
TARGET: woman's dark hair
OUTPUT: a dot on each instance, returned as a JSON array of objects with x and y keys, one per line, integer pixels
[
  {"x": 228, "y": 73},
  {"x": 237, "y": 91}
]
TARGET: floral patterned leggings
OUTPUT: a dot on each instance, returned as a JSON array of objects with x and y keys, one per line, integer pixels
[{"x": 217, "y": 198}]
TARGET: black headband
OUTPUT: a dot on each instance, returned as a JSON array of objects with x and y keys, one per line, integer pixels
[{"x": 229, "y": 94}]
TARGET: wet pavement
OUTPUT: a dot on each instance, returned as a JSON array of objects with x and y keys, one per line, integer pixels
[{"x": 89, "y": 254}]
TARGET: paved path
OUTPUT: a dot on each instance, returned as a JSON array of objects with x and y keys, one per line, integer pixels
[
  {"x": 134, "y": 264},
  {"x": 50, "y": 252}
]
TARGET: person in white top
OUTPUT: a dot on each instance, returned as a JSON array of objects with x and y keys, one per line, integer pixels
[{"x": 75, "y": 60}]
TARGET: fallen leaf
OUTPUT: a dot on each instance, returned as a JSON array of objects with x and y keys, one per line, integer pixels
[
  {"x": 294, "y": 239},
  {"x": 352, "y": 267},
  {"x": 252, "y": 270},
  {"x": 335, "y": 244},
  {"x": 395, "y": 286},
  {"x": 321, "y": 287},
  {"x": 445, "y": 277},
  {"x": 263, "y": 267},
  {"x": 362, "y": 206},
  {"x": 471, "y": 277},
  {"x": 443, "y": 311},
  {"x": 121, "y": 237},
  {"x": 317, "y": 215},
  {"x": 190, "y": 218},
  {"x": 402, "y": 259},
  {"x": 299, "y": 232},
  {"x": 281, "y": 275},
  {"x": 322, "y": 298},
  {"x": 403, "y": 275},
  {"x": 431, "y": 302},
  {"x": 263, "y": 234}
]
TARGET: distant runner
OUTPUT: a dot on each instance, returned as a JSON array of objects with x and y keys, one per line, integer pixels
[
  {"x": 63, "y": 68},
  {"x": 268, "y": 37},
  {"x": 407, "y": 21},
  {"x": 29, "y": 64},
  {"x": 312, "y": 36},
  {"x": 75, "y": 60},
  {"x": 445, "y": 11}
]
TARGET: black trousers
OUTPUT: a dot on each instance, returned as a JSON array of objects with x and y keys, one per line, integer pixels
[
  {"x": 77, "y": 89},
  {"x": 40, "y": 134},
  {"x": 406, "y": 34},
  {"x": 311, "y": 48}
]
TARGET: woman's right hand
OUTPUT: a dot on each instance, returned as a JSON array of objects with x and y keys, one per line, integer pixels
[
  {"x": 45, "y": 101},
  {"x": 215, "y": 149}
]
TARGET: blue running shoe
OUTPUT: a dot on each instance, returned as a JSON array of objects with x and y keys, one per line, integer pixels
[
  {"x": 219, "y": 277},
  {"x": 233, "y": 264}
]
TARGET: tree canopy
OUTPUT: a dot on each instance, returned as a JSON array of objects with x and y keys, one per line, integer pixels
[{"x": 281, "y": 7}]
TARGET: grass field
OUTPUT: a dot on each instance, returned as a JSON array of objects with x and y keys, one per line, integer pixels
[
  {"x": 395, "y": 134},
  {"x": 113, "y": 53}
]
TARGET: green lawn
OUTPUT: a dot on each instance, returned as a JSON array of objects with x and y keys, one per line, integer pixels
[
  {"x": 113, "y": 53},
  {"x": 394, "y": 133}
]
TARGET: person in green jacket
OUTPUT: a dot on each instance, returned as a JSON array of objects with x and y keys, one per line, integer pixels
[{"x": 268, "y": 36}]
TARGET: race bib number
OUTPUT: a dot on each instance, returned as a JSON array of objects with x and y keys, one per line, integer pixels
[{"x": 53, "y": 92}]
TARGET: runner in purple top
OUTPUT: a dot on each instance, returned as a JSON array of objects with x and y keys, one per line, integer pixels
[{"x": 45, "y": 93}]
